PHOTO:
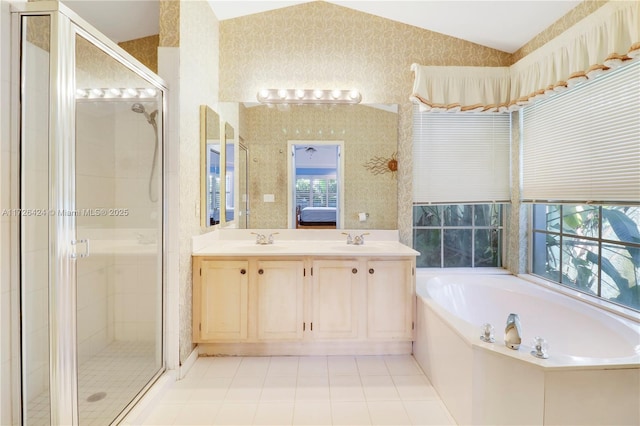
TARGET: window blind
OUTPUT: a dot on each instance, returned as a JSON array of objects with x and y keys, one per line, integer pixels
[
  {"x": 584, "y": 144},
  {"x": 461, "y": 157}
]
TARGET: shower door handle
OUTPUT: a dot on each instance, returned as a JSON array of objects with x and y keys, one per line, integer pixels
[{"x": 86, "y": 251}]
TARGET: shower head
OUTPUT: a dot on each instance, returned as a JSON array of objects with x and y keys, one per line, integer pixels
[{"x": 140, "y": 109}]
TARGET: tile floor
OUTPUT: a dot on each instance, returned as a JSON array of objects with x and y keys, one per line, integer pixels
[
  {"x": 107, "y": 382},
  {"x": 338, "y": 390}
]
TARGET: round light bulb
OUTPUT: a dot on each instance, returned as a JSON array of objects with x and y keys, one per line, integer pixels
[
  {"x": 354, "y": 94},
  {"x": 264, "y": 93},
  {"x": 97, "y": 92},
  {"x": 317, "y": 93},
  {"x": 336, "y": 93},
  {"x": 300, "y": 93},
  {"x": 151, "y": 91},
  {"x": 81, "y": 93},
  {"x": 282, "y": 93},
  {"x": 131, "y": 92},
  {"x": 114, "y": 92}
]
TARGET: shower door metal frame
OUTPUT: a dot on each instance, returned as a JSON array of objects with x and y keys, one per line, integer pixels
[{"x": 65, "y": 25}]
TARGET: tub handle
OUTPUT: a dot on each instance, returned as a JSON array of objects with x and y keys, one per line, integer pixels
[
  {"x": 371, "y": 271},
  {"x": 354, "y": 271}
]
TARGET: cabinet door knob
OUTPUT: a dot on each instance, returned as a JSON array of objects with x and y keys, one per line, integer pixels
[
  {"x": 354, "y": 271},
  {"x": 243, "y": 271},
  {"x": 261, "y": 271},
  {"x": 371, "y": 271}
]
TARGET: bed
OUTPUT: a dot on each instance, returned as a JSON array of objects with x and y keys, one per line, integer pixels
[{"x": 316, "y": 217}]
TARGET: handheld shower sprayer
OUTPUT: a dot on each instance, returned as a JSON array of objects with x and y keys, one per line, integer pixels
[
  {"x": 151, "y": 119},
  {"x": 140, "y": 109}
]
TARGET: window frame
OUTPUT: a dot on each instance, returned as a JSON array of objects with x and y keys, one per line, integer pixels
[
  {"x": 562, "y": 234},
  {"x": 327, "y": 195},
  {"x": 473, "y": 228}
]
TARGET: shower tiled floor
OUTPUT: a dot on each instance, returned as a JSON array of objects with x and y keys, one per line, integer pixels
[
  {"x": 119, "y": 371},
  {"x": 338, "y": 390}
]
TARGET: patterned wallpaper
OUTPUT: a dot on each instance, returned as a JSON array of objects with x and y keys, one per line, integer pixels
[
  {"x": 144, "y": 49},
  {"x": 199, "y": 56},
  {"x": 584, "y": 9},
  {"x": 367, "y": 132},
  {"x": 323, "y": 45},
  {"x": 170, "y": 23}
]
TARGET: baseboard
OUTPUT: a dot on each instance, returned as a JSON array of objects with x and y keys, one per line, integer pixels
[
  {"x": 306, "y": 348},
  {"x": 188, "y": 363},
  {"x": 149, "y": 400}
]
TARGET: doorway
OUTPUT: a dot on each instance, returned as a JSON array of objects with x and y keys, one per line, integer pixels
[{"x": 315, "y": 182}]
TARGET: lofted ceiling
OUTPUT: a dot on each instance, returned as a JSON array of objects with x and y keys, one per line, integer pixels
[{"x": 505, "y": 25}]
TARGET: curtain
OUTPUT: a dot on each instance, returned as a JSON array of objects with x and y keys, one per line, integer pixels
[{"x": 604, "y": 40}]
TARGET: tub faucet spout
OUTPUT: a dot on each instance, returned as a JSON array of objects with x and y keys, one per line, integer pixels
[{"x": 512, "y": 332}]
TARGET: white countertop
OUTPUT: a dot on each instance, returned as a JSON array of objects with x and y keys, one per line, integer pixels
[{"x": 292, "y": 243}]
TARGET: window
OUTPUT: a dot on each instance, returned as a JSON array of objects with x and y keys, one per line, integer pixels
[
  {"x": 581, "y": 173},
  {"x": 584, "y": 144},
  {"x": 593, "y": 249},
  {"x": 460, "y": 161},
  {"x": 461, "y": 157},
  {"x": 316, "y": 191},
  {"x": 458, "y": 235}
]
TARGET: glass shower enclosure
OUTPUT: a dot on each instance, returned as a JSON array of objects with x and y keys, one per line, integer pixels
[{"x": 91, "y": 225}]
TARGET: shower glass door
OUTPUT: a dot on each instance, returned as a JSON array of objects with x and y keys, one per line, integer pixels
[
  {"x": 91, "y": 222},
  {"x": 118, "y": 191}
]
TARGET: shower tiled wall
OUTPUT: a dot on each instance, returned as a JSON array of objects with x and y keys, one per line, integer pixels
[{"x": 117, "y": 293}]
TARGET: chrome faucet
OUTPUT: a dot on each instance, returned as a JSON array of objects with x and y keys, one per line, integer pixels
[
  {"x": 358, "y": 240},
  {"x": 513, "y": 332},
  {"x": 263, "y": 239}
]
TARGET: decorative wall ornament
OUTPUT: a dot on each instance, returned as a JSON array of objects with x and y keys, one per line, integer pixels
[{"x": 381, "y": 165}]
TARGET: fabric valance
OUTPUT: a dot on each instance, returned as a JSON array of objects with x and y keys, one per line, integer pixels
[{"x": 604, "y": 40}]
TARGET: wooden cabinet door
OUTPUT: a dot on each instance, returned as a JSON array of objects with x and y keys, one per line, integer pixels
[
  {"x": 390, "y": 299},
  {"x": 334, "y": 305},
  {"x": 280, "y": 299},
  {"x": 221, "y": 300}
]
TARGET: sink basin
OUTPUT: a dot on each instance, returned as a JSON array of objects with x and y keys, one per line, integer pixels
[
  {"x": 365, "y": 248},
  {"x": 251, "y": 247}
]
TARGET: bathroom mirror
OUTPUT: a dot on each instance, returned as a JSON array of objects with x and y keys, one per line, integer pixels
[
  {"x": 242, "y": 199},
  {"x": 210, "y": 162},
  {"x": 370, "y": 137},
  {"x": 229, "y": 171}
]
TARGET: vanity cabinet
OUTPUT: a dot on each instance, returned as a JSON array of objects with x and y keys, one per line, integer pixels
[
  {"x": 220, "y": 300},
  {"x": 302, "y": 304},
  {"x": 335, "y": 302},
  {"x": 390, "y": 298},
  {"x": 280, "y": 299}
]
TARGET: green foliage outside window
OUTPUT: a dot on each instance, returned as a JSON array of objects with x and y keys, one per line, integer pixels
[
  {"x": 594, "y": 249},
  {"x": 458, "y": 235}
]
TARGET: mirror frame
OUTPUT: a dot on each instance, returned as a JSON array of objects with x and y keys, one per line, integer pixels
[
  {"x": 229, "y": 139},
  {"x": 204, "y": 219}
]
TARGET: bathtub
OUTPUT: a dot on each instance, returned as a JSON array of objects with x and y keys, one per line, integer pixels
[{"x": 592, "y": 375}]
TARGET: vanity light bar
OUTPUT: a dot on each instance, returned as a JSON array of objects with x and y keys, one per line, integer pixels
[
  {"x": 309, "y": 96},
  {"x": 116, "y": 93}
]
